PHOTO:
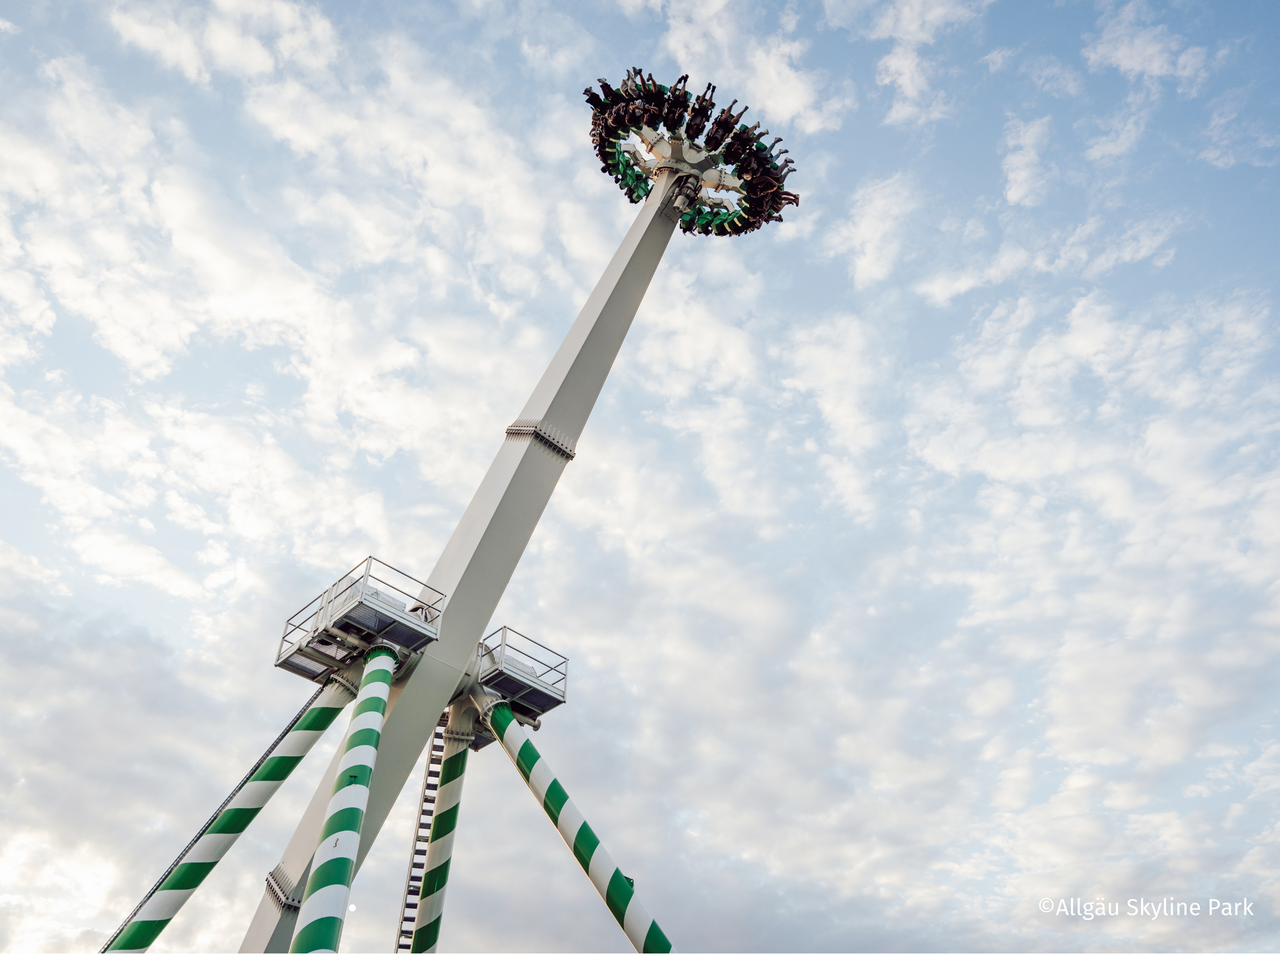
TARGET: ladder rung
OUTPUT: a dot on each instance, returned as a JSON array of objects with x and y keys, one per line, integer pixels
[{"x": 418, "y": 858}]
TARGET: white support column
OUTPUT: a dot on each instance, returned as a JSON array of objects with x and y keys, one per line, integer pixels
[
  {"x": 225, "y": 827},
  {"x": 324, "y": 903},
  {"x": 616, "y": 889},
  {"x": 480, "y": 557}
]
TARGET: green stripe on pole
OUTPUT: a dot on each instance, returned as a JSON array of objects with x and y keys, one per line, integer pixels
[
  {"x": 234, "y": 820},
  {"x": 500, "y": 719},
  {"x": 371, "y": 705},
  {"x": 453, "y": 767},
  {"x": 318, "y": 718},
  {"x": 527, "y": 759},
  {"x": 444, "y": 822},
  {"x": 364, "y": 738},
  {"x": 555, "y": 801},
  {"x": 317, "y": 935},
  {"x": 584, "y": 845},
  {"x": 357, "y": 775},
  {"x": 348, "y": 818},
  {"x": 277, "y": 768},
  {"x": 425, "y": 937},
  {"x": 188, "y": 876},
  {"x": 139, "y": 935},
  {"x": 328, "y": 873},
  {"x": 655, "y": 940},
  {"x": 618, "y": 895},
  {"x": 435, "y": 878}
]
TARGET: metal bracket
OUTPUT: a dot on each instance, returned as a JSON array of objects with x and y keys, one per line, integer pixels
[
  {"x": 277, "y": 887},
  {"x": 346, "y": 682},
  {"x": 547, "y": 436}
]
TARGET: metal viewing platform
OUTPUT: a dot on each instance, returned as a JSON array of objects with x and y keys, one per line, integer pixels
[
  {"x": 531, "y": 677},
  {"x": 372, "y": 603}
]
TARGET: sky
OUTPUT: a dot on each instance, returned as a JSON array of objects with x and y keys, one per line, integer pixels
[{"x": 918, "y": 566}]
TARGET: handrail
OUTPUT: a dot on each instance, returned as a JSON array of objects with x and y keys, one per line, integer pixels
[
  {"x": 318, "y": 609},
  {"x": 558, "y": 671}
]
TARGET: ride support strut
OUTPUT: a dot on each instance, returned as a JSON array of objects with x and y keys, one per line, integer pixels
[
  {"x": 223, "y": 829},
  {"x": 615, "y": 888},
  {"x": 324, "y": 904}
]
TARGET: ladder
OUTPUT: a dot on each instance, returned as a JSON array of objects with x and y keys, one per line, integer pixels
[{"x": 421, "y": 835}]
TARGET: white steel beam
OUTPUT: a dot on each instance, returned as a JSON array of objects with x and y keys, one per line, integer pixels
[{"x": 480, "y": 557}]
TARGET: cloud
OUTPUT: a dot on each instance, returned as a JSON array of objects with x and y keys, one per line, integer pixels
[
  {"x": 1123, "y": 129},
  {"x": 872, "y": 235},
  {"x": 1141, "y": 51},
  {"x": 836, "y": 363},
  {"x": 123, "y": 558},
  {"x": 244, "y": 40},
  {"x": 1087, "y": 251},
  {"x": 156, "y": 32},
  {"x": 1025, "y": 177},
  {"x": 16, "y": 565},
  {"x": 942, "y": 287},
  {"x": 412, "y": 138},
  {"x": 81, "y": 236},
  {"x": 1053, "y": 77},
  {"x": 555, "y": 44},
  {"x": 114, "y": 230},
  {"x": 1058, "y": 480},
  {"x": 912, "y": 24},
  {"x": 1029, "y": 415},
  {"x": 709, "y": 43},
  {"x": 998, "y": 58},
  {"x": 235, "y": 52},
  {"x": 28, "y": 316},
  {"x": 1141, "y": 240},
  {"x": 1146, "y": 54},
  {"x": 1006, "y": 562},
  {"x": 1233, "y": 139}
]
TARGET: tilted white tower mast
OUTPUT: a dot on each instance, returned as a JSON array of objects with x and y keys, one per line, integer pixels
[
  {"x": 480, "y": 557},
  {"x": 424, "y": 657}
]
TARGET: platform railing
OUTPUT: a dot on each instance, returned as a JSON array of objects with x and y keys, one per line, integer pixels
[
  {"x": 370, "y": 578},
  {"x": 513, "y": 650}
]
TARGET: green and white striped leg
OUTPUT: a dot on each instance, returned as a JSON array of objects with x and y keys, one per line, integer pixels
[
  {"x": 457, "y": 738},
  {"x": 324, "y": 904},
  {"x": 224, "y": 828},
  {"x": 617, "y": 889}
]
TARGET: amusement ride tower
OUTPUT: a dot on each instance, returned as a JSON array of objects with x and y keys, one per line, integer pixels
[{"x": 414, "y": 658}]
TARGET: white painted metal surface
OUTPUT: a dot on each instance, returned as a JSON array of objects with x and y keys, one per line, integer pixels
[{"x": 480, "y": 557}]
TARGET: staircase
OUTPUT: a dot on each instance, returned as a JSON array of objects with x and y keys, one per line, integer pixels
[{"x": 418, "y": 856}]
